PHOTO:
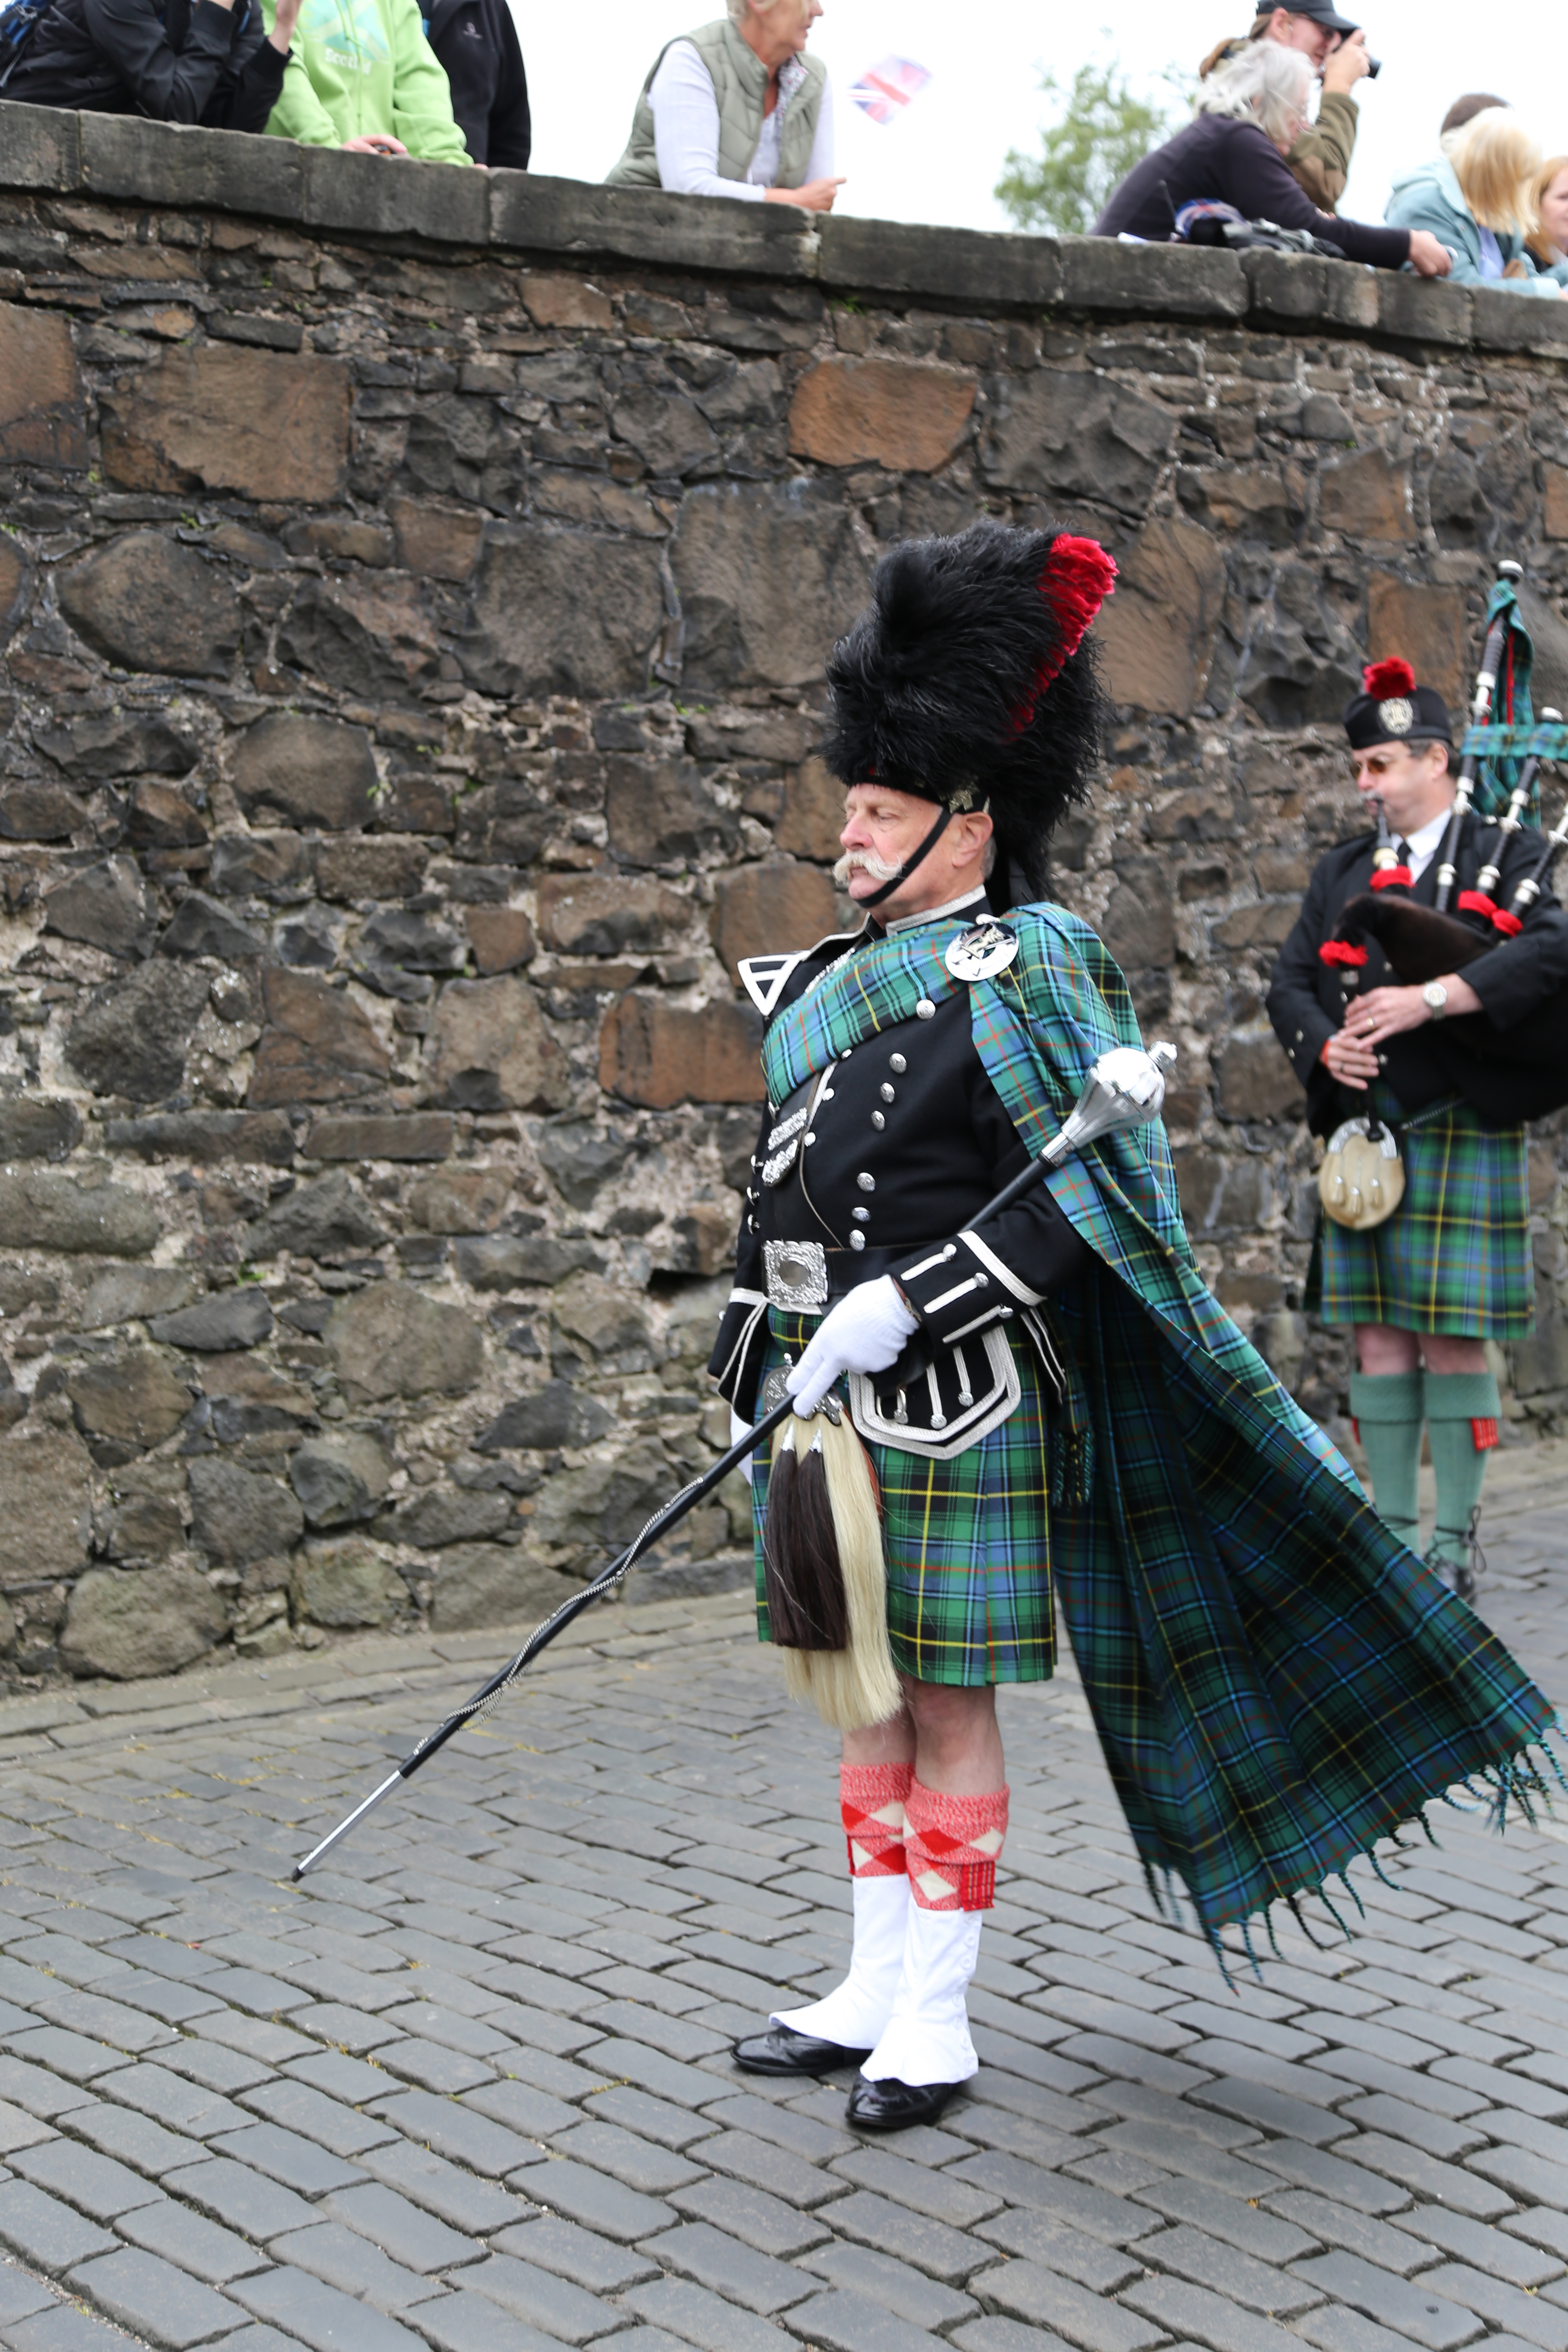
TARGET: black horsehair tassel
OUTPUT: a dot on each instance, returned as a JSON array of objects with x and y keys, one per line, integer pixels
[{"x": 803, "y": 1578}]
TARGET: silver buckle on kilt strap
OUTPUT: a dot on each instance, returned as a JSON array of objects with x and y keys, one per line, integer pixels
[{"x": 796, "y": 1276}]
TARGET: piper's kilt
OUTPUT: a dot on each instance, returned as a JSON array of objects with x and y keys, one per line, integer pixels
[
  {"x": 1455, "y": 1256},
  {"x": 966, "y": 1542}
]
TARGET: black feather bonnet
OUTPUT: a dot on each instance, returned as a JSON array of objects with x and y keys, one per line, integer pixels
[{"x": 968, "y": 681}]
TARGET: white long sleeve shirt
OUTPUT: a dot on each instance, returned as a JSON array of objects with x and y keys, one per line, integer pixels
[{"x": 686, "y": 130}]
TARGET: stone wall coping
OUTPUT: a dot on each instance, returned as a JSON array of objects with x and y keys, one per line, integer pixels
[{"x": 123, "y": 158}]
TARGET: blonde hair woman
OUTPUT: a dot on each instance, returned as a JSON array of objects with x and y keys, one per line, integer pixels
[
  {"x": 1549, "y": 244},
  {"x": 737, "y": 109},
  {"x": 1480, "y": 201},
  {"x": 1249, "y": 115}
]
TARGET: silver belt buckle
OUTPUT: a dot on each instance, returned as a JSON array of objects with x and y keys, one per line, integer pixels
[{"x": 796, "y": 1275}]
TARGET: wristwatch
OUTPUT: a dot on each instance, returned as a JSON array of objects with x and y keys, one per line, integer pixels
[{"x": 1434, "y": 997}]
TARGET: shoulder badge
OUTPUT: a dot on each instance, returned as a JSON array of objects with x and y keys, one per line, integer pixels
[
  {"x": 982, "y": 951},
  {"x": 765, "y": 977}
]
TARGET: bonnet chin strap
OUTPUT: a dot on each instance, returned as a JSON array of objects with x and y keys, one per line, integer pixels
[{"x": 944, "y": 819}]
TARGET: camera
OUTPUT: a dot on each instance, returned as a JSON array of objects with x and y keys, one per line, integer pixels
[{"x": 1373, "y": 68}]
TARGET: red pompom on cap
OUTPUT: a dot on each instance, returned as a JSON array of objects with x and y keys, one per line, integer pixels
[{"x": 1390, "y": 677}]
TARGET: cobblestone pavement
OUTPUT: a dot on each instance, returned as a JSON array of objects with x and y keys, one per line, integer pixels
[{"x": 470, "y": 2089}]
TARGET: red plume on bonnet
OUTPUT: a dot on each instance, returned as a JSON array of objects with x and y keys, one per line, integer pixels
[
  {"x": 1387, "y": 678},
  {"x": 1078, "y": 577}
]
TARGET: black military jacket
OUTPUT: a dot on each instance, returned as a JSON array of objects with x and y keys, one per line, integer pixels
[
  {"x": 907, "y": 1139},
  {"x": 1307, "y": 998}
]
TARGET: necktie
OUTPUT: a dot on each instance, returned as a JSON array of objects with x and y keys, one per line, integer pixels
[{"x": 1402, "y": 850}]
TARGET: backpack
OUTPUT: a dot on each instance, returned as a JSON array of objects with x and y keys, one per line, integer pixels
[{"x": 18, "y": 23}]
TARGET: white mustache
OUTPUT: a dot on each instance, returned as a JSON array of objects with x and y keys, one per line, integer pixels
[{"x": 864, "y": 861}]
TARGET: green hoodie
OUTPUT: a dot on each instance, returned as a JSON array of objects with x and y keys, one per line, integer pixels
[{"x": 360, "y": 68}]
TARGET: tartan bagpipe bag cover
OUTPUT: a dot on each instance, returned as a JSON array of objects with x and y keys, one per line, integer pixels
[{"x": 1277, "y": 1683}]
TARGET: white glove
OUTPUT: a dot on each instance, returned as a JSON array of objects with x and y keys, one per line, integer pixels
[
  {"x": 738, "y": 1426},
  {"x": 864, "y": 1333}
]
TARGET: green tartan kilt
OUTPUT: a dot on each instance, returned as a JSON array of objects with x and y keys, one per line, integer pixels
[
  {"x": 1455, "y": 1256},
  {"x": 966, "y": 1542}
]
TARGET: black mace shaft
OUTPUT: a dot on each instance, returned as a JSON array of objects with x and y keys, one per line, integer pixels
[
  {"x": 1105, "y": 1105},
  {"x": 543, "y": 1635}
]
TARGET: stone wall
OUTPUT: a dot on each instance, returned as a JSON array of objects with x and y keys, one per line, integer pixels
[{"x": 414, "y": 590}]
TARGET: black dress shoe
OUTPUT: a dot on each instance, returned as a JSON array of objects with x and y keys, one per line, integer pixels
[
  {"x": 1456, "y": 1574},
  {"x": 781, "y": 2050},
  {"x": 892, "y": 2105}
]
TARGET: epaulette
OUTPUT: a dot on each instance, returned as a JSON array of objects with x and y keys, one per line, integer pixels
[{"x": 765, "y": 978}]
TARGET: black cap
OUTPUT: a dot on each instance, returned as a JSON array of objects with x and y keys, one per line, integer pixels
[
  {"x": 1395, "y": 710},
  {"x": 1321, "y": 13}
]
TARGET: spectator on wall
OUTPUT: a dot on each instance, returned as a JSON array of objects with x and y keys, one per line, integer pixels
[
  {"x": 737, "y": 109},
  {"x": 476, "y": 42},
  {"x": 1549, "y": 244},
  {"x": 1464, "y": 110},
  {"x": 1480, "y": 201},
  {"x": 215, "y": 62},
  {"x": 1320, "y": 157},
  {"x": 362, "y": 75},
  {"x": 1249, "y": 115}
]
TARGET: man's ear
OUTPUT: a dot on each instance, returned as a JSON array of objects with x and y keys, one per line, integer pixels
[{"x": 977, "y": 831}]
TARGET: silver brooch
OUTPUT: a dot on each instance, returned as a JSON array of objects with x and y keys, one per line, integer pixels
[
  {"x": 982, "y": 951},
  {"x": 1397, "y": 714}
]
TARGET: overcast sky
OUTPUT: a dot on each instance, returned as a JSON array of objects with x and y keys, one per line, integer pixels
[{"x": 940, "y": 160}]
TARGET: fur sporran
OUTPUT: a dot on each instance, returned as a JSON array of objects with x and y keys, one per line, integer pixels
[
  {"x": 1361, "y": 1181},
  {"x": 823, "y": 1577}
]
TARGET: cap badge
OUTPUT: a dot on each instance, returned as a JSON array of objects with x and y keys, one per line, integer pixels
[
  {"x": 1397, "y": 714},
  {"x": 982, "y": 951}
]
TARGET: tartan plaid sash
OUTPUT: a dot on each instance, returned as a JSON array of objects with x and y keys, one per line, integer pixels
[
  {"x": 1276, "y": 1682},
  {"x": 876, "y": 987}
]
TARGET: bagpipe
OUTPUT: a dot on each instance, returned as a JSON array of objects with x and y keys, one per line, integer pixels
[{"x": 1520, "y": 1072}]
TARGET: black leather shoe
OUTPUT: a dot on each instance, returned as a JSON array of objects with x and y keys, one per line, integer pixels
[
  {"x": 781, "y": 2050},
  {"x": 892, "y": 2105},
  {"x": 1456, "y": 1574}
]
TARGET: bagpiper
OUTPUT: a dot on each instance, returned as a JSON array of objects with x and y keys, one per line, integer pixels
[
  {"x": 1449, "y": 1265},
  {"x": 1051, "y": 1401}
]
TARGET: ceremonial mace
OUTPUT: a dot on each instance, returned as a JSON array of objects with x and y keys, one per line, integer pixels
[{"x": 1125, "y": 1088}]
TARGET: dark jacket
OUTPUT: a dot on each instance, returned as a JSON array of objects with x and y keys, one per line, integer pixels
[
  {"x": 1236, "y": 164},
  {"x": 1306, "y": 1000},
  {"x": 476, "y": 42},
  {"x": 913, "y": 1110},
  {"x": 189, "y": 61}
]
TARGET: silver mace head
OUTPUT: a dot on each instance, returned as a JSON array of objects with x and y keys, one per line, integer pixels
[{"x": 1126, "y": 1088}]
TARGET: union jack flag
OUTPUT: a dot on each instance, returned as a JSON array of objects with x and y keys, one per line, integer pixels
[{"x": 885, "y": 88}]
